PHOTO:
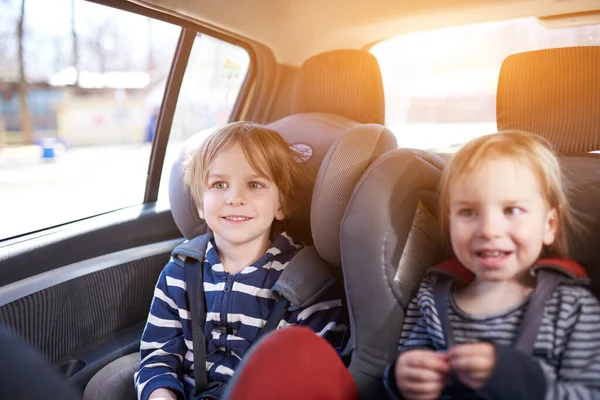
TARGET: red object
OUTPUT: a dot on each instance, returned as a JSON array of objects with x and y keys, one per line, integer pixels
[
  {"x": 454, "y": 268},
  {"x": 293, "y": 363}
]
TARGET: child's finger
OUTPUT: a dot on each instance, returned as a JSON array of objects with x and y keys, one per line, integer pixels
[
  {"x": 421, "y": 390},
  {"x": 434, "y": 363},
  {"x": 422, "y": 375},
  {"x": 471, "y": 349},
  {"x": 471, "y": 363}
]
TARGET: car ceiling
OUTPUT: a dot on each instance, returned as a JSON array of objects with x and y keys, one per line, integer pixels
[{"x": 298, "y": 29}]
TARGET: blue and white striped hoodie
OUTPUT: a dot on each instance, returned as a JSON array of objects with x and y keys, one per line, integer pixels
[{"x": 237, "y": 308}]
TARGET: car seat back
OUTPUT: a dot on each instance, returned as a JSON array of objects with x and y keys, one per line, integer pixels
[{"x": 553, "y": 93}]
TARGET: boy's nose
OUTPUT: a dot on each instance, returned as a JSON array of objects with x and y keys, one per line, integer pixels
[{"x": 236, "y": 197}]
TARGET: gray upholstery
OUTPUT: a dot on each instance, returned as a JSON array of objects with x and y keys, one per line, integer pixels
[
  {"x": 554, "y": 93},
  {"x": 582, "y": 178},
  {"x": 183, "y": 209},
  {"x": 341, "y": 151},
  {"x": 374, "y": 234},
  {"x": 344, "y": 164},
  {"x": 114, "y": 381}
]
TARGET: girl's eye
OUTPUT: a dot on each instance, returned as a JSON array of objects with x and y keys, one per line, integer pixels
[
  {"x": 219, "y": 185},
  {"x": 466, "y": 212},
  {"x": 256, "y": 185},
  {"x": 513, "y": 211}
]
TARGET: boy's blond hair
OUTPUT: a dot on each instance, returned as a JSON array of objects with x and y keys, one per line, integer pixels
[
  {"x": 266, "y": 151},
  {"x": 527, "y": 150}
]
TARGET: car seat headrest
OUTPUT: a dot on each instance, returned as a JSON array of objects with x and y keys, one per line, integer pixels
[
  {"x": 554, "y": 93},
  {"x": 345, "y": 162},
  {"x": 341, "y": 82},
  {"x": 183, "y": 208}
]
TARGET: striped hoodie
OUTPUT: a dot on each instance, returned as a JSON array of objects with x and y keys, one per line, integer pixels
[{"x": 237, "y": 308}]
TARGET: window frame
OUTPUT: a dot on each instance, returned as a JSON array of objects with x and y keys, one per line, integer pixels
[
  {"x": 175, "y": 80},
  {"x": 181, "y": 55}
]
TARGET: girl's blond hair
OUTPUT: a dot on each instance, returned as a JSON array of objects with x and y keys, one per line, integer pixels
[
  {"x": 266, "y": 151},
  {"x": 527, "y": 150}
]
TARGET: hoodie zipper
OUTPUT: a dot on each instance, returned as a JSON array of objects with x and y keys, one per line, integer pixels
[{"x": 225, "y": 302}]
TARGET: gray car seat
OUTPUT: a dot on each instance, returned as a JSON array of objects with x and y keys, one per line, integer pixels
[
  {"x": 347, "y": 83},
  {"x": 389, "y": 235},
  {"x": 391, "y": 232}
]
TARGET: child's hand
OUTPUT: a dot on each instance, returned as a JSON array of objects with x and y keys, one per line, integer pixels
[
  {"x": 421, "y": 374},
  {"x": 162, "y": 394},
  {"x": 473, "y": 363}
]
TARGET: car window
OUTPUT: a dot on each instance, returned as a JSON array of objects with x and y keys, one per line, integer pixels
[
  {"x": 75, "y": 136},
  {"x": 212, "y": 82},
  {"x": 440, "y": 86}
]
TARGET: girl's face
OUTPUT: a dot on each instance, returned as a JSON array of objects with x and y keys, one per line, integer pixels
[{"x": 499, "y": 220}]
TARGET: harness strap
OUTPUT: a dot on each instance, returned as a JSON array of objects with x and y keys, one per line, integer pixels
[
  {"x": 441, "y": 291},
  {"x": 301, "y": 284},
  {"x": 547, "y": 282},
  {"x": 276, "y": 316},
  {"x": 305, "y": 279},
  {"x": 192, "y": 272}
]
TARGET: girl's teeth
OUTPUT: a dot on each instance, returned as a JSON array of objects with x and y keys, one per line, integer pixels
[
  {"x": 236, "y": 218},
  {"x": 492, "y": 253}
]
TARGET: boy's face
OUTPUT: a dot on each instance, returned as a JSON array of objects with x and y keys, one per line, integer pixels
[
  {"x": 239, "y": 205},
  {"x": 499, "y": 220}
]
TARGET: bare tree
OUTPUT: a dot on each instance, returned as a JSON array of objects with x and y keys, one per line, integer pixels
[
  {"x": 98, "y": 45},
  {"x": 150, "y": 65},
  {"x": 60, "y": 59},
  {"x": 74, "y": 43},
  {"x": 26, "y": 125}
]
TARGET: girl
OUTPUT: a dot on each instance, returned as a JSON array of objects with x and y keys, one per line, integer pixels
[{"x": 504, "y": 209}]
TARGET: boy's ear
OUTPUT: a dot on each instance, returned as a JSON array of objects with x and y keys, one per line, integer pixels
[{"x": 279, "y": 215}]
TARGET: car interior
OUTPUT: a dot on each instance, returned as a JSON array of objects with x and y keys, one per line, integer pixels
[{"x": 80, "y": 292}]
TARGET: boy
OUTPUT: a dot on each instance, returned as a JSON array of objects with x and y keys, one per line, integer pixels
[{"x": 242, "y": 180}]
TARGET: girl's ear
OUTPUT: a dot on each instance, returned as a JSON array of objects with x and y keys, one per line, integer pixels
[{"x": 551, "y": 227}]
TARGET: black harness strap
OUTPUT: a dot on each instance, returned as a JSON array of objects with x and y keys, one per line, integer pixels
[
  {"x": 276, "y": 316},
  {"x": 302, "y": 283},
  {"x": 441, "y": 291},
  {"x": 192, "y": 271},
  {"x": 547, "y": 282}
]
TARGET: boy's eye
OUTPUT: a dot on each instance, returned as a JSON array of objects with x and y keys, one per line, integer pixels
[
  {"x": 513, "y": 211},
  {"x": 219, "y": 185},
  {"x": 256, "y": 185},
  {"x": 466, "y": 212}
]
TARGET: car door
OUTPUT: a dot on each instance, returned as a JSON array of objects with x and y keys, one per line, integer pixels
[{"x": 85, "y": 223}]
